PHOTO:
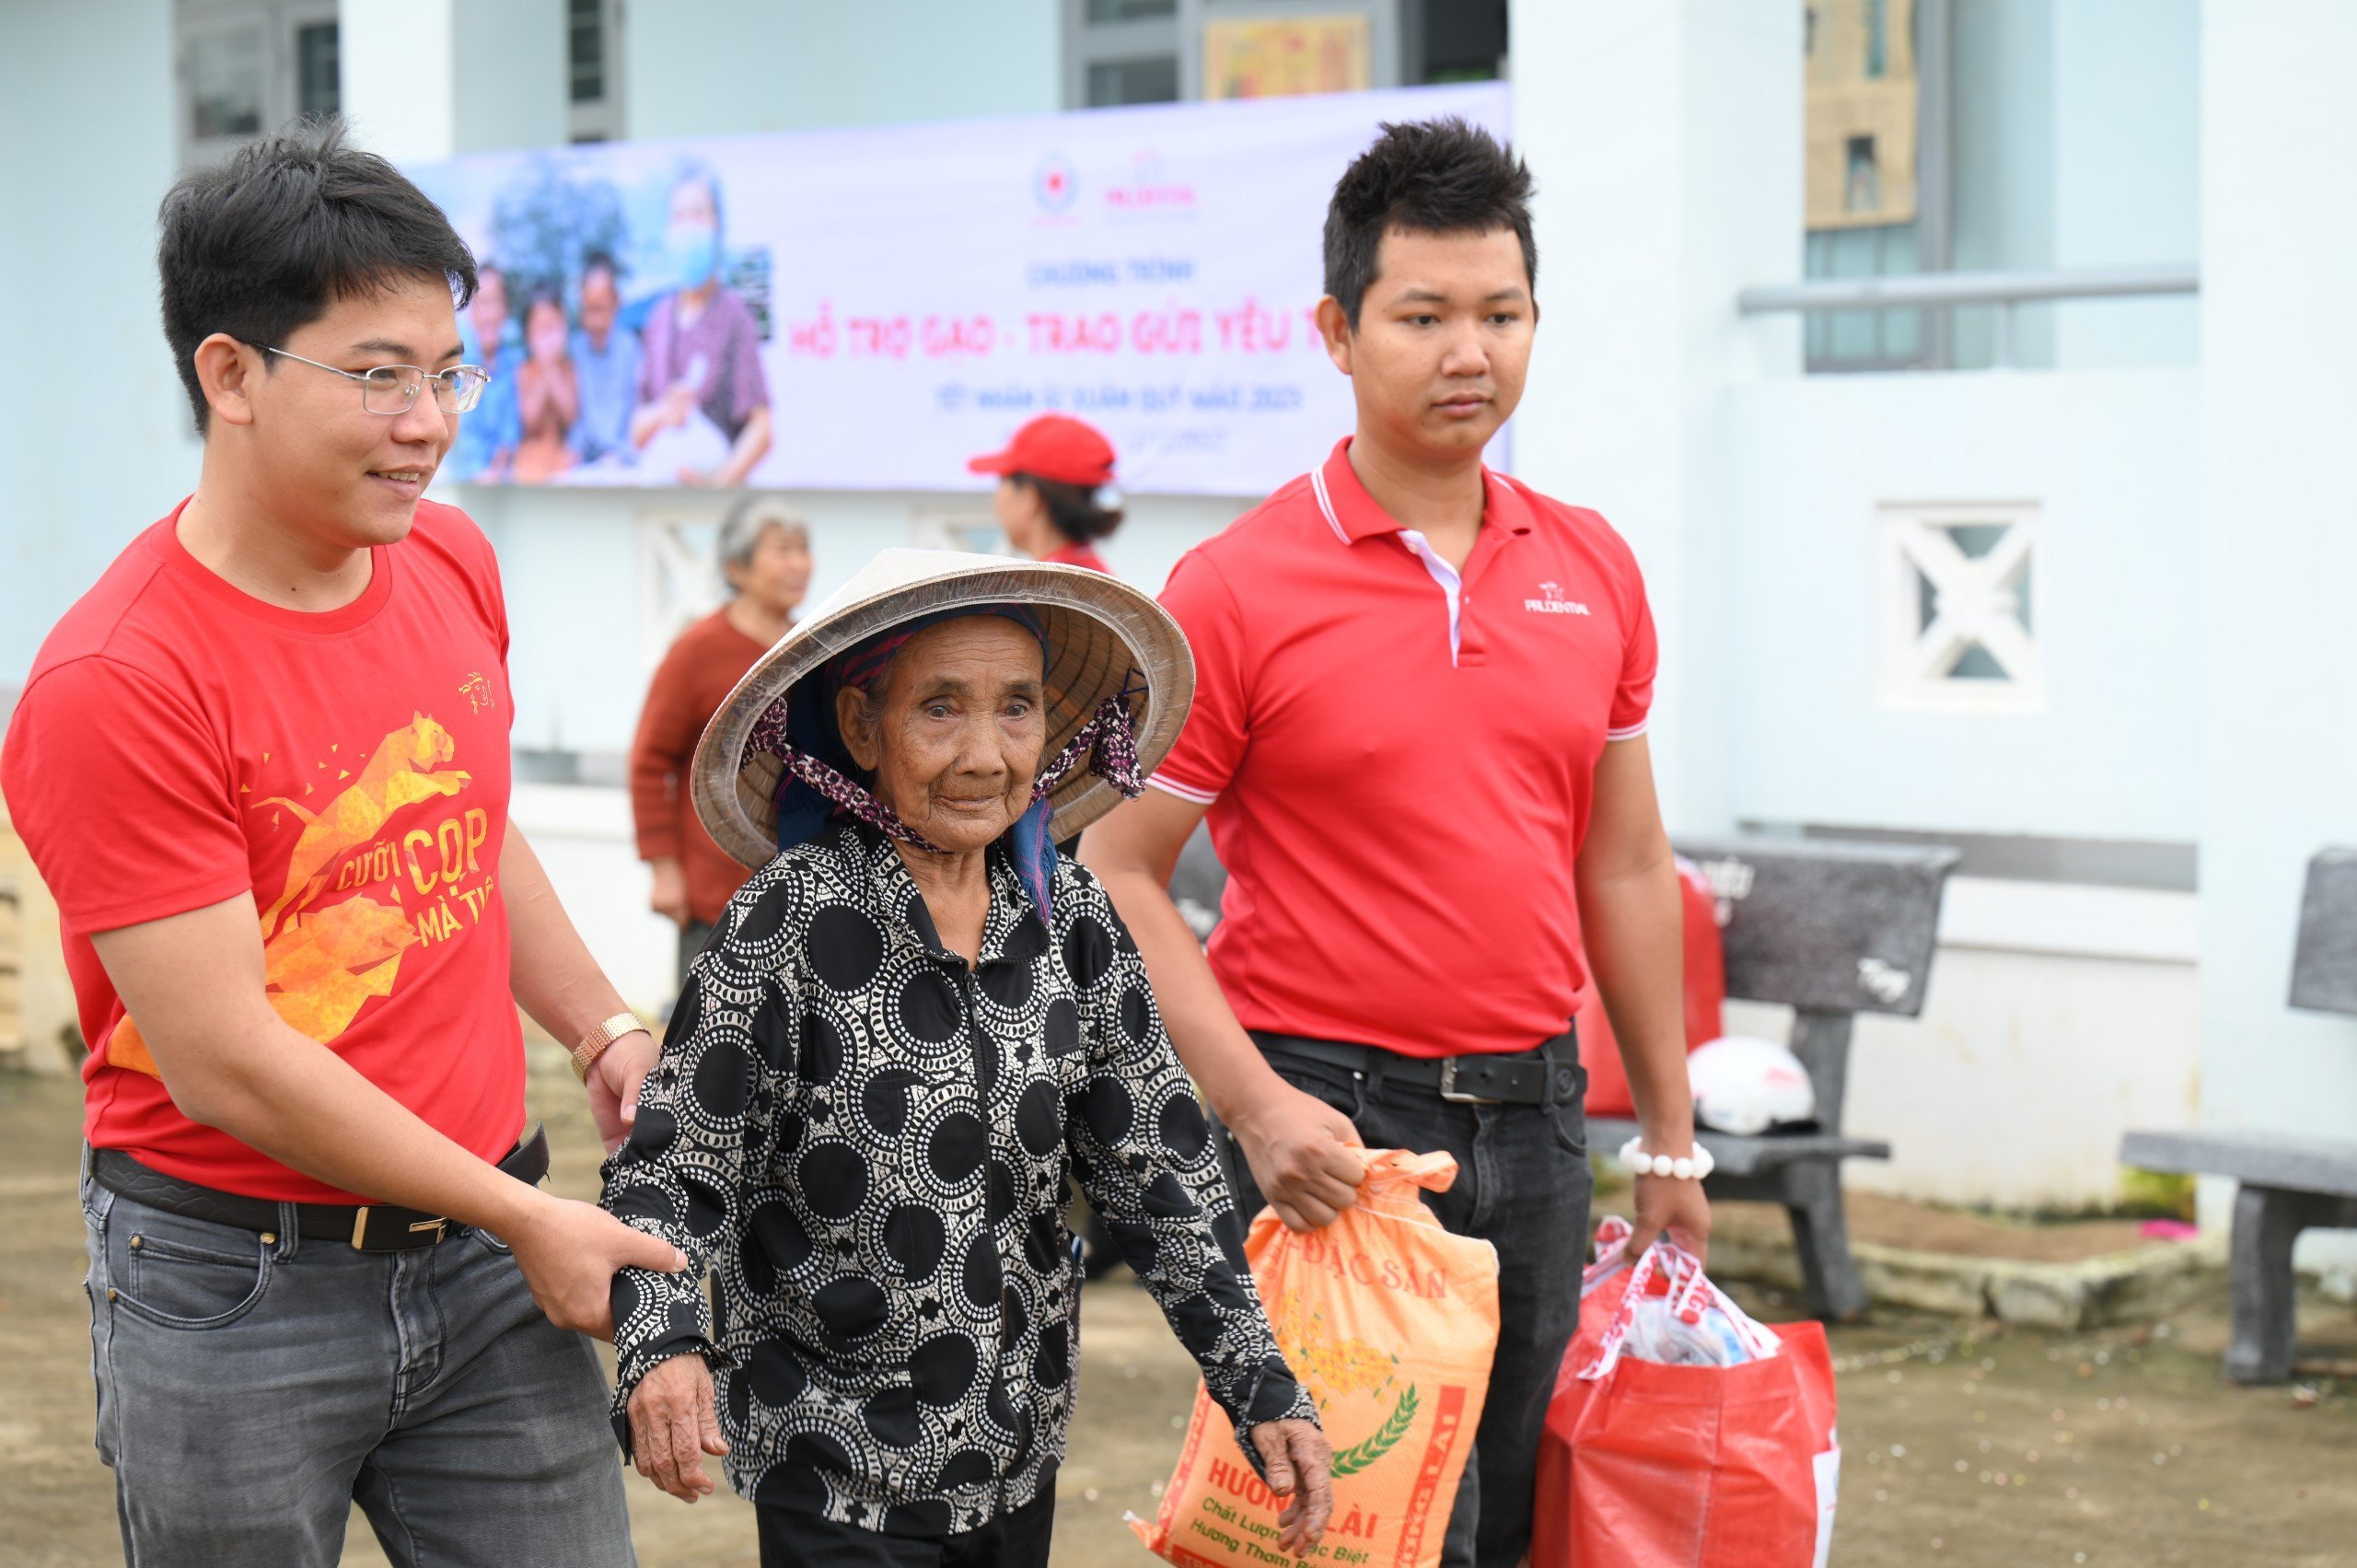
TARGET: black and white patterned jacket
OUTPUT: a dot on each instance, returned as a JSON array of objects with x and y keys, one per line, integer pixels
[{"x": 867, "y": 1145}]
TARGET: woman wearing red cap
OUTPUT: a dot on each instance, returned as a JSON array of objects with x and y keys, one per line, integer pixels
[
  {"x": 1055, "y": 491},
  {"x": 1055, "y": 498}
]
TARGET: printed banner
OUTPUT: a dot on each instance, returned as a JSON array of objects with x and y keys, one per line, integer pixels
[{"x": 866, "y": 309}]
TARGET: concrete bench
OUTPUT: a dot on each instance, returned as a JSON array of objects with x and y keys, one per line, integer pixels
[
  {"x": 2283, "y": 1185},
  {"x": 1831, "y": 930}
]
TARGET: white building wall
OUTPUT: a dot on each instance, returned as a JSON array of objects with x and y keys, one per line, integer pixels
[
  {"x": 2057, "y": 1018},
  {"x": 2126, "y": 127},
  {"x": 96, "y": 434},
  {"x": 396, "y": 73},
  {"x": 1667, "y": 143},
  {"x": 2277, "y": 749},
  {"x": 424, "y": 81},
  {"x": 727, "y": 66},
  {"x": 2111, "y": 458},
  {"x": 2076, "y": 129}
]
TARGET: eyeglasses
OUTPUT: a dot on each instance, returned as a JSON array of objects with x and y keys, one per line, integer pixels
[{"x": 393, "y": 388}]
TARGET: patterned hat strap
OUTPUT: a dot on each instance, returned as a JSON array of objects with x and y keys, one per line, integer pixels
[
  {"x": 1106, "y": 743},
  {"x": 768, "y": 738}
]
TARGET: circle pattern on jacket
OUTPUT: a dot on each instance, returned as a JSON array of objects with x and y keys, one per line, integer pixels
[{"x": 872, "y": 1145}]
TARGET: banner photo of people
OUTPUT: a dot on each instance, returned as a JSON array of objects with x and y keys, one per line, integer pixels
[{"x": 865, "y": 308}]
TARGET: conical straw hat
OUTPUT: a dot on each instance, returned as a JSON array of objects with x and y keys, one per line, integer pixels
[{"x": 1103, "y": 637}]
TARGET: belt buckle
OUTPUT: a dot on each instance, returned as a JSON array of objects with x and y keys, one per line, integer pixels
[
  {"x": 439, "y": 1227},
  {"x": 1449, "y": 1090}
]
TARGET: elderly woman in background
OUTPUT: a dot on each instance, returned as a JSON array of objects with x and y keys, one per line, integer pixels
[
  {"x": 765, "y": 559},
  {"x": 702, "y": 361},
  {"x": 915, "y": 1024}
]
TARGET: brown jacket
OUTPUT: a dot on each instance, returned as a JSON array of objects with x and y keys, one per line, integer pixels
[{"x": 688, "y": 689}]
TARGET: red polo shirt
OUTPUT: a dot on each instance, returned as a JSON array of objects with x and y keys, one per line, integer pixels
[
  {"x": 1400, "y": 764},
  {"x": 1070, "y": 554}
]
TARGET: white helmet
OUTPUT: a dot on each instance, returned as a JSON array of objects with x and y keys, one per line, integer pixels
[{"x": 1746, "y": 1086}]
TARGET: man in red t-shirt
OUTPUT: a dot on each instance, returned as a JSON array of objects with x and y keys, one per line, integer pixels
[
  {"x": 1418, "y": 737},
  {"x": 263, "y": 767}
]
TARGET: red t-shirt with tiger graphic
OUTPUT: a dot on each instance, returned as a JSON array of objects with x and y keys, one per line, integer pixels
[{"x": 180, "y": 742}]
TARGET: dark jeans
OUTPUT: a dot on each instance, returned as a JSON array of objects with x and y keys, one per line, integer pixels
[
  {"x": 1523, "y": 1185},
  {"x": 794, "y": 1540},
  {"x": 252, "y": 1387}
]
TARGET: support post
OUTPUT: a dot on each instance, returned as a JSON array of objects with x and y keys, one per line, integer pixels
[{"x": 2267, "y": 1222}]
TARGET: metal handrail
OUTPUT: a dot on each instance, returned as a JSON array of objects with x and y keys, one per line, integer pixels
[
  {"x": 1967, "y": 288},
  {"x": 2003, "y": 290}
]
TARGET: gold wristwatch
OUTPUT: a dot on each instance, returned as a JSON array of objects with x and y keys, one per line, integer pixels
[{"x": 586, "y": 1054}]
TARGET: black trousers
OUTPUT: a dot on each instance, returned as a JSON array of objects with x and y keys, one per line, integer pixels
[
  {"x": 1523, "y": 1185},
  {"x": 793, "y": 1540}
]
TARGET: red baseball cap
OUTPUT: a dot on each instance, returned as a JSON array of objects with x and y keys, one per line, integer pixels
[{"x": 1054, "y": 446}]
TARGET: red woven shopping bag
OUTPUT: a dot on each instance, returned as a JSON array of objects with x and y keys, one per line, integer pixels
[{"x": 1653, "y": 1466}]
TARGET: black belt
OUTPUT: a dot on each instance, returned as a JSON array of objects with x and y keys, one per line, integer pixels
[
  {"x": 370, "y": 1227},
  {"x": 1547, "y": 1076}
]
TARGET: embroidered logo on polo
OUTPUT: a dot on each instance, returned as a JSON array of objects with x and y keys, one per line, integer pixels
[{"x": 1551, "y": 601}]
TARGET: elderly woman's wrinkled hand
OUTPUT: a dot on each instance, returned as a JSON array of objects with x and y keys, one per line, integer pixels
[
  {"x": 1300, "y": 1468},
  {"x": 673, "y": 1425}
]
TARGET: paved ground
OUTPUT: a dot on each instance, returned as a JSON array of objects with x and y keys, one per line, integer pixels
[{"x": 1963, "y": 1444}]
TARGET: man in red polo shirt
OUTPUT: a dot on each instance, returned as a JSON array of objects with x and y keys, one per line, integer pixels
[{"x": 1419, "y": 739}]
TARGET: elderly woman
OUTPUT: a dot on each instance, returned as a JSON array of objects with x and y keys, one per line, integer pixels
[
  {"x": 915, "y": 1024},
  {"x": 765, "y": 561}
]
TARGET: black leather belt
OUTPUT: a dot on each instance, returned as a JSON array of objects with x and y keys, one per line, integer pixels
[
  {"x": 1548, "y": 1076},
  {"x": 370, "y": 1227}
]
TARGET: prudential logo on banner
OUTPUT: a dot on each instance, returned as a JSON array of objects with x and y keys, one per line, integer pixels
[
  {"x": 866, "y": 309},
  {"x": 1056, "y": 184}
]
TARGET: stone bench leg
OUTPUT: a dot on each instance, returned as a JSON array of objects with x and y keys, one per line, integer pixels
[
  {"x": 2267, "y": 1220},
  {"x": 1821, "y": 1234}
]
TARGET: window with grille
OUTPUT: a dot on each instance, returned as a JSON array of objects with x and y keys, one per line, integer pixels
[
  {"x": 1123, "y": 52},
  {"x": 245, "y": 67},
  {"x": 593, "y": 70},
  {"x": 1958, "y": 612}
]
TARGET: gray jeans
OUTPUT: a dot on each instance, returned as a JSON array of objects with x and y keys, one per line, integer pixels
[{"x": 252, "y": 1390}]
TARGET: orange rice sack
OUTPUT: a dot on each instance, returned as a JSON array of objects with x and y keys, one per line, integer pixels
[{"x": 1391, "y": 1322}]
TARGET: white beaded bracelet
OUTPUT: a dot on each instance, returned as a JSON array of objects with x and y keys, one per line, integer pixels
[{"x": 1684, "y": 1167}]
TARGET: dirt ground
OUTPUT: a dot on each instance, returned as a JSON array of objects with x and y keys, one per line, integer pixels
[
  {"x": 1963, "y": 1443},
  {"x": 1894, "y": 1221}
]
